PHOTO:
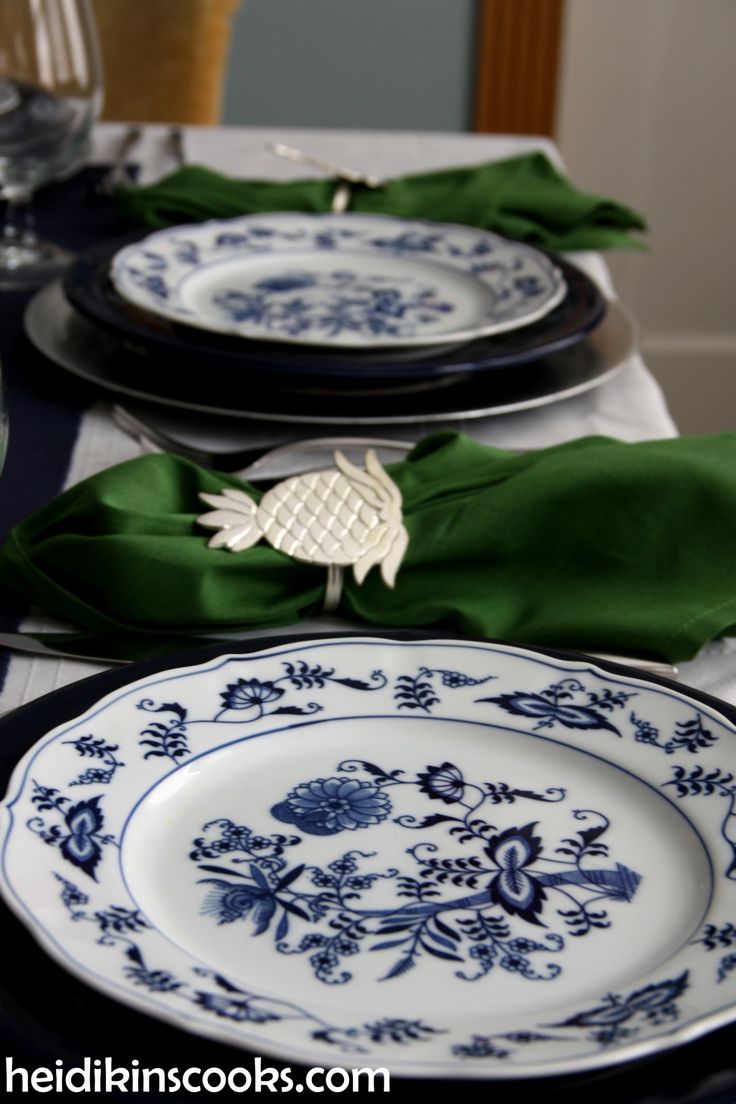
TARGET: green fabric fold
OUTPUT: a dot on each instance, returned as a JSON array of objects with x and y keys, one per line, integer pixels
[
  {"x": 523, "y": 197},
  {"x": 595, "y": 544}
]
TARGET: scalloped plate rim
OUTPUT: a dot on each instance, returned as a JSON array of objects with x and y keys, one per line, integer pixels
[{"x": 174, "y": 310}]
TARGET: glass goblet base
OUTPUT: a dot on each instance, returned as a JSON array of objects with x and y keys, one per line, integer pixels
[{"x": 30, "y": 264}]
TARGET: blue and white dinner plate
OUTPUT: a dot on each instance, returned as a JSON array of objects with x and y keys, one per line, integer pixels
[
  {"x": 348, "y": 281},
  {"x": 88, "y": 289},
  {"x": 447, "y": 858}
]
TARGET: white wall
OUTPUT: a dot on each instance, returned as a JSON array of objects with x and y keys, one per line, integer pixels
[{"x": 646, "y": 114}]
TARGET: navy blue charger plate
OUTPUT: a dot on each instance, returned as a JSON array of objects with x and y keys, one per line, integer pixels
[
  {"x": 47, "y": 1014},
  {"x": 200, "y": 384}
]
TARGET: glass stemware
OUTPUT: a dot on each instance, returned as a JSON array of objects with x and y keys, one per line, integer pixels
[{"x": 50, "y": 95}]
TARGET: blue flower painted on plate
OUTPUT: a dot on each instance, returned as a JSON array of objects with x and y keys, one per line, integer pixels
[
  {"x": 244, "y": 701},
  {"x": 455, "y": 907},
  {"x": 326, "y": 806},
  {"x": 250, "y": 694},
  {"x": 391, "y": 1029},
  {"x": 187, "y": 252},
  {"x": 257, "y": 239},
  {"x": 487, "y": 1046},
  {"x": 409, "y": 242},
  {"x": 444, "y": 783},
  {"x": 529, "y": 286},
  {"x": 690, "y": 735},
  {"x": 156, "y": 285},
  {"x": 84, "y": 821},
  {"x": 514, "y": 887},
  {"x": 243, "y": 306},
  {"x": 567, "y": 703},
  {"x": 72, "y": 896},
  {"x": 288, "y": 282},
  {"x": 327, "y": 239},
  {"x": 437, "y": 244},
  {"x": 654, "y": 1003},
  {"x": 107, "y": 764},
  {"x": 418, "y": 691},
  {"x": 231, "y": 239},
  {"x": 79, "y": 837},
  {"x": 337, "y": 302},
  {"x": 236, "y": 902},
  {"x": 237, "y": 1009}
]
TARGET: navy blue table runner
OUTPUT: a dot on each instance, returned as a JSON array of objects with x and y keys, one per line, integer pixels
[{"x": 45, "y": 403}]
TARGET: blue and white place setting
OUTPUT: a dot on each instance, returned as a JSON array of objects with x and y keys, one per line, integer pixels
[
  {"x": 446, "y": 857},
  {"x": 348, "y": 280}
]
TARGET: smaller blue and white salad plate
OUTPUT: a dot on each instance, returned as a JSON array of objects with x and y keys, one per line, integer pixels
[
  {"x": 349, "y": 281},
  {"x": 447, "y": 858}
]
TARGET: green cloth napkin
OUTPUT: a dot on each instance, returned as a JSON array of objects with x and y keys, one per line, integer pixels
[
  {"x": 595, "y": 544},
  {"x": 524, "y": 198}
]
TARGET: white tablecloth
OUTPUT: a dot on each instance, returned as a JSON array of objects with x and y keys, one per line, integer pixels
[{"x": 629, "y": 406}]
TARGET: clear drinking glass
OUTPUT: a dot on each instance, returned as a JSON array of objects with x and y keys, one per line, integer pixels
[{"x": 50, "y": 96}]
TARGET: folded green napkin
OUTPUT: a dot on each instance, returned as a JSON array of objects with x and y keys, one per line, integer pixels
[
  {"x": 595, "y": 544},
  {"x": 524, "y": 198}
]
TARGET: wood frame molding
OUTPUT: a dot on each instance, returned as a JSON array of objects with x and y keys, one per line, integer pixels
[{"x": 517, "y": 62}]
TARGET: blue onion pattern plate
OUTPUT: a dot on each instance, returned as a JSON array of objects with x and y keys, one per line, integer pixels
[
  {"x": 446, "y": 858},
  {"x": 351, "y": 281}
]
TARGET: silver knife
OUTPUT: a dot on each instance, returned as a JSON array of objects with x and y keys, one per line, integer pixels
[
  {"x": 126, "y": 647},
  {"x": 112, "y": 648},
  {"x": 120, "y": 648}
]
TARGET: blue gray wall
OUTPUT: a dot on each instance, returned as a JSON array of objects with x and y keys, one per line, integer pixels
[{"x": 380, "y": 64}]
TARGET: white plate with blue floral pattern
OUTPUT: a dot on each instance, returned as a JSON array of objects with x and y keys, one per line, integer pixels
[
  {"x": 446, "y": 858},
  {"x": 351, "y": 281}
]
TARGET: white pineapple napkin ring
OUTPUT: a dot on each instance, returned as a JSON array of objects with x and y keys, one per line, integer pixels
[{"x": 338, "y": 517}]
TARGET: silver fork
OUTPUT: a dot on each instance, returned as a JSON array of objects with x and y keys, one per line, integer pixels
[
  {"x": 341, "y": 172},
  {"x": 118, "y": 174},
  {"x": 344, "y": 176},
  {"x": 240, "y": 459},
  {"x": 175, "y": 141}
]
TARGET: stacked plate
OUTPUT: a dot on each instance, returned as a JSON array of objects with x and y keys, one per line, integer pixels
[{"x": 331, "y": 318}]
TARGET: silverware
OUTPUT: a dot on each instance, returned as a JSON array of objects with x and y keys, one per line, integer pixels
[
  {"x": 112, "y": 648},
  {"x": 117, "y": 648},
  {"x": 244, "y": 460},
  {"x": 341, "y": 197},
  {"x": 175, "y": 141},
  {"x": 351, "y": 176},
  {"x": 127, "y": 647},
  {"x": 648, "y": 666},
  {"x": 119, "y": 174},
  {"x": 345, "y": 177}
]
